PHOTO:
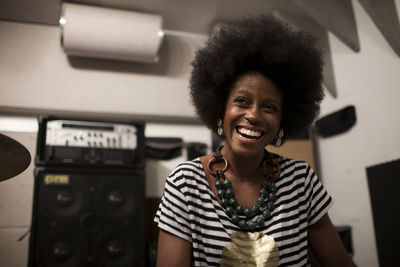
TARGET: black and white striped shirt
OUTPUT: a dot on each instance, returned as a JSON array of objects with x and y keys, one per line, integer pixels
[{"x": 190, "y": 210}]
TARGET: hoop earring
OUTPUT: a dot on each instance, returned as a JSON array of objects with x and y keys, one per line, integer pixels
[
  {"x": 278, "y": 141},
  {"x": 220, "y": 129}
]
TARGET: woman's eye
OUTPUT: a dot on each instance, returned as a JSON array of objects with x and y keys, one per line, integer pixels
[
  {"x": 241, "y": 101},
  {"x": 271, "y": 108}
]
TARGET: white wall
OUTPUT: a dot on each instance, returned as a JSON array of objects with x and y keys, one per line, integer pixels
[
  {"x": 36, "y": 75},
  {"x": 369, "y": 80}
]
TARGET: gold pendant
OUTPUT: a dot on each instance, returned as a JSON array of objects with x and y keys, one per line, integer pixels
[{"x": 250, "y": 249}]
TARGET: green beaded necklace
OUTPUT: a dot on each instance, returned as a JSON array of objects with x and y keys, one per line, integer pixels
[{"x": 227, "y": 197}]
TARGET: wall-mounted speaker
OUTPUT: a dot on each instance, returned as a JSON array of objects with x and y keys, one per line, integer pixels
[
  {"x": 88, "y": 217},
  {"x": 337, "y": 122}
]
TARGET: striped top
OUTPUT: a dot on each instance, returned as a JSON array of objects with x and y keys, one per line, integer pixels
[{"x": 190, "y": 210}]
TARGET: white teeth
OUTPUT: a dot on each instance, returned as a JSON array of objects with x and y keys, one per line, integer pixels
[{"x": 249, "y": 132}]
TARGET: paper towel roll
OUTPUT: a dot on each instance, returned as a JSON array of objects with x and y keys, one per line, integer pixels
[{"x": 99, "y": 32}]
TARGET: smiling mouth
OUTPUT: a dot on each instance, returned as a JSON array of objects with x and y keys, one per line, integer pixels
[{"x": 249, "y": 134}]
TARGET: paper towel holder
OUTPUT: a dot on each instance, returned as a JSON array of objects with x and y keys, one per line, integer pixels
[{"x": 107, "y": 33}]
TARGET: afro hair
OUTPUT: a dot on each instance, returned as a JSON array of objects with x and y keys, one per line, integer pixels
[{"x": 288, "y": 57}]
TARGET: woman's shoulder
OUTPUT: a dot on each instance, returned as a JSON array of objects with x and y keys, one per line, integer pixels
[
  {"x": 189, "y": 178},
  {"x": 294, "y": 172},
  {"x": 190, "y": 165},
  {"x": 190, "y": 169},
  {"x": 294, "y": 169}
]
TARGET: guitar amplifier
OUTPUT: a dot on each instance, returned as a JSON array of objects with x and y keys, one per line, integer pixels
[
  {"x": 68, "y": 142},
  {"x": 89, "y": 194}
]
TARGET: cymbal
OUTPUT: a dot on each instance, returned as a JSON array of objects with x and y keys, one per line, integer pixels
[{"x": 14, "y": 157}]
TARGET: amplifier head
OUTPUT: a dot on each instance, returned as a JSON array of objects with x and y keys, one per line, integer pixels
[{"x": 68, "y": 142}]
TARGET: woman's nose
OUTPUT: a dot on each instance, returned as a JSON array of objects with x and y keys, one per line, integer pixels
[{"x": 253, "y": 115}]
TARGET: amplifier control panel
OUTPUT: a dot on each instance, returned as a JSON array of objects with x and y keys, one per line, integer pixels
[
  {"x": 87, "y": 143},
  {"x": 90, "y": 134}
]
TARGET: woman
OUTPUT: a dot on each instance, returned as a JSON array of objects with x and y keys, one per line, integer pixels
[{"x": 255, "y": 81}]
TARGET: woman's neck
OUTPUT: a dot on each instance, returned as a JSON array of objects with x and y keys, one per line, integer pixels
[{"x": 244, "y": 167}]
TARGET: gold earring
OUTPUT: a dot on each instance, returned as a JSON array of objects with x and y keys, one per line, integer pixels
[
  {"x": 279, "y": 138},
  {"x": 220, "y": 129}
]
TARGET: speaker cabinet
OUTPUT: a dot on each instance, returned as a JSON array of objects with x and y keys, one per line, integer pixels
[
  {"x": 384, "y": 184},
  {"x": 88, "y": 217}
]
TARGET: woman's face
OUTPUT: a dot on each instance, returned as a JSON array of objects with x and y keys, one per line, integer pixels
[{"x": 253, "y": 114}]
